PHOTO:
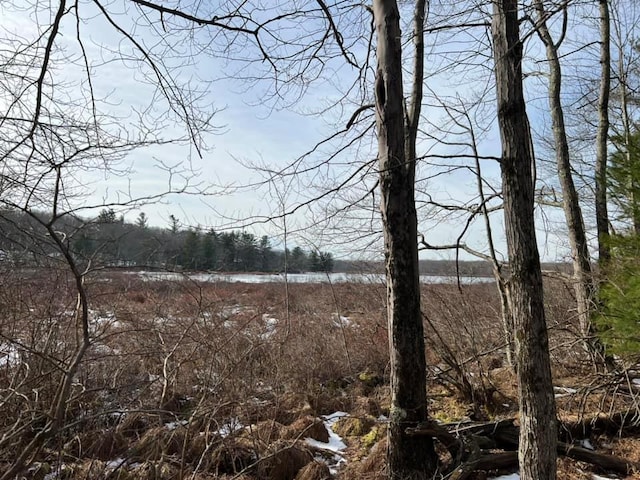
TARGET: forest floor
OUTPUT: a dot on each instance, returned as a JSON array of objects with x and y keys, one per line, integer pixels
[{"x": 202, "y": 380}]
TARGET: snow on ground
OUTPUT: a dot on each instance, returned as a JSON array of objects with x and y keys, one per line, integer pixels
[
  {"x": 176, "y": 424},
  {"x": 230, "y": 426},
  {"x": 586, "y": 443},
  {"x": 295, "y": 277},
  {"x": 516, "y": 476},
  {"x": 564, "y": 391},
  {"x": 104, "y": 319},
  {"x": 9, "y": 355},
  {"x": 341, "y": 321},
  {"x": 270, "y": 324},
  {"x": 335, "y": 443}
]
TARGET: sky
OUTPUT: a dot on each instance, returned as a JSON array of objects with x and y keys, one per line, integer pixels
[{"x": 251, "y": 125}]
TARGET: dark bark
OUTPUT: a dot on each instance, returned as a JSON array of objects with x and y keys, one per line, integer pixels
[
  {"x": 468, "y": 445},
  {"x": 408, "y": 458},
  {"x": 602, "y": 213},
  {"x": 538, "y": 434}
]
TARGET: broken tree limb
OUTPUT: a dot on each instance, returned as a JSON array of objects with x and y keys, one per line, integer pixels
[
  {"x": 604, "y": 461},
  {"x": 610, "y": 424},
  {"x": 468, "y": 442},
  {"x": 432, "y": 429}
]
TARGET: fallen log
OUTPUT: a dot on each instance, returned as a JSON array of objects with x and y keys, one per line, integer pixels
[
  {"x": 493, "y": 461},
  {"x": 610, "y": 424},
  {"x": 604, "y": 461},
  {"x": 468, "y": 443}
]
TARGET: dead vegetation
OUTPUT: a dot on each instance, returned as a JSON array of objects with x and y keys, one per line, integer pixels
[{"x": 217, "y": 380}]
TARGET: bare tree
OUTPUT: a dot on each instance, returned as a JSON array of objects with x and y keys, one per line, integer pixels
[
  {"x": 582, "y": 275},
  {"x": 538, "y": 435},
  {"x": 407, "y": 458},
  {"x": 56, "y": 132},
  {"x": 602, "y": 213}
]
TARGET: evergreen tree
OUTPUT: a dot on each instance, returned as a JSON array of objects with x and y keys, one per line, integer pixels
[
  {"x": 247, "y": 252},
  {"x": 298, "y": 261},
  {"x": 620, "y": 297},
  {"x": 315, "y": 264},
  {"x": 142, "y": 221},
  {"x": 107, "y": 215},
  {"x": 190, "y": 258},
  {"x": 624, "y": 178},
  {"x": 326, "y": 262},
  {"x": 620, "y": 292},
  {"x": 265, "y": 254},
  {"x": 174, "y": 224},
  {"x": 228, "y": 251},
  {"x": 209, "y": 250}
]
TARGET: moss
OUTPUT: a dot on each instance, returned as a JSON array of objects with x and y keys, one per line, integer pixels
[
  {"x": 353, "y": 426},
  {"x": 369, "y": 379},
  {"x": 397, "y": 414},
  {"x": 447, "y": 409},
  {"x": 376, "y": 434}
]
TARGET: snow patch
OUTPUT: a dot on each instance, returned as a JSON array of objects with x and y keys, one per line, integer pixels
[
  {"x": 9, "y": 355},
  {"x": 586, "y": 443},
  {"x": 334, "y": 445},
  {"x": 176, "y": 424},
  {"x": 232, "y": 425},
  {"x": 564, "y": 391},
  {"x": 296, "y": 278},
  {"x": 341, "y": 321},
  {"x": 229, "y": 311},
  {"x": 270, "y": 324},
  {"x": 104, "y": 319},
  {"x": 116, "y": 463}
]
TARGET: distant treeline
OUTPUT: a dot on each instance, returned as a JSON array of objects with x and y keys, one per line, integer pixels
[
  {"x": 442, "y": 268},
  {"x": 108, "y": 240}
]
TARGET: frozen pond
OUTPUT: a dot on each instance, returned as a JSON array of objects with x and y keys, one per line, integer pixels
[{"x": 310, "y": 277}]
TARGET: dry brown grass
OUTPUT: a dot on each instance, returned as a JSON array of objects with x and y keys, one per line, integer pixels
[
  {"x": 283, "y": 461},
  {"x": 372, "y": 467},
  {"x": 314, "y": 471},
  {"x": 208, "y": 379}
]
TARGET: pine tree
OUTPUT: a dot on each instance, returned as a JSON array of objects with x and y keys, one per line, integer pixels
[{"x": 624, "y": 179}]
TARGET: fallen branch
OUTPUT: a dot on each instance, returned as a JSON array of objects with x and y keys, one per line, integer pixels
[
  {"x": 468, "y": 443},
  {"x": 611, "y": 424}
]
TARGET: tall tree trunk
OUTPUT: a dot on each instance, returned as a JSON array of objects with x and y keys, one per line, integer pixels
[
  {"x": 538, "y": 434},
  {"x": 408, "y": 457},
  {"x": 626, "y": 132},
  {"x": 602, "y": 212},
  {"x": 582, "y": 275}
]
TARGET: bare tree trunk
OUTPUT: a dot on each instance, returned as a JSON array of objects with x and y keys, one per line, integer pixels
[
  {"x": 538, "y": 433},
  {"x": 602, "y": 213},
  {"x": 582, "y": 275},
  {"x": 626, "y": 132},
  {"x": 407, "y": 459}
]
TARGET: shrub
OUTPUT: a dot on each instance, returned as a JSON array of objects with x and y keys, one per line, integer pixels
[{"x": 618, "y": 319}]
